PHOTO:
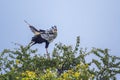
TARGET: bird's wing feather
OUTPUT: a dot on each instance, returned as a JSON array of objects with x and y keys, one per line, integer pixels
[{"x": 34, "y": 30}]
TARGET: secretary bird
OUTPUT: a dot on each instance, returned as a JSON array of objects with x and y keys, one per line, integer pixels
[{"x": 43, "y": 36}]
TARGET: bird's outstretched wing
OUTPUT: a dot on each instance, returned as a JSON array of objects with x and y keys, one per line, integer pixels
[{"x": 33, "y": 29}]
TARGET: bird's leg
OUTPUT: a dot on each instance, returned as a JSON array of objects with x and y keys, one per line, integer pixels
[
  {"x": 46, "y": 50},
  {"x": 31, "y": 43},
  {"x": 48, "y": 56}
]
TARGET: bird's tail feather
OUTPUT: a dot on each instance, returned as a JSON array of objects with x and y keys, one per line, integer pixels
[{"x": 27, "y": 23}]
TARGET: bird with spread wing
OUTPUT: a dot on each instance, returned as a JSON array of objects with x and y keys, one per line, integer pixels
[{"x": 43, "y": 36}]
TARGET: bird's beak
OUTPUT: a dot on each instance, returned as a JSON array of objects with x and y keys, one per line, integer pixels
[{"x": 55, "y": 31}]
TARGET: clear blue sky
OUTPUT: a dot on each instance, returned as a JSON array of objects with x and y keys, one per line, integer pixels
[{"x": 97, "y": 22}]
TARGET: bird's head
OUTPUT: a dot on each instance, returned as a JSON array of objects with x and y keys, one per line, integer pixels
[{"x": 54, "y": 29}]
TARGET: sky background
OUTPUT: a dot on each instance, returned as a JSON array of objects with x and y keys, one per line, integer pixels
[{"x": 97, "y": 22}]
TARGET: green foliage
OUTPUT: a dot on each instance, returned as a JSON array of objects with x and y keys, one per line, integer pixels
[
  {"x": 107, "y": 66},
  {"x": 66, "y": 63}
]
